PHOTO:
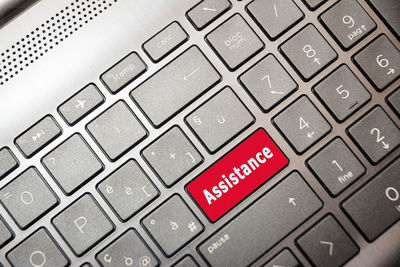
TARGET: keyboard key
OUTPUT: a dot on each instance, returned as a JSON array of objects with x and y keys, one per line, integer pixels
[
  {"x": 336, "y": 166},
  {"x": 81, "y": 104},
  {"x": 342, "y": 93},
  {"x": 187, "y": 261},
  {"x": 128, "y": 190},
  {"x": 290, "y": 203},
  {"x": 123, "y": 72},
  {"x": 327, "y": 244},
  {"x": 86, "y": 265},
  {"x": 223, "y": 185},
  {"x": 394, "y": 101},
  {"x": 83, "y": 224},
  {"x": 235, "y": 42},
  {"x": 274, "y": 16},
  {"x": 38, "y": 136},
  {"x": 165, "y": 41},
  {"x": 27, "y": 197},
  {"x": 380, "y": 62},
  {"x": 348, "y": 22},
  {"x": 308, "y": 51},
  {"x": 117, "y": 130},
  {"x": 376, "y": 134},
  {"x": 376, "y": 206},
  {"x": 127, "y": 250},
  {"x": 8, "y": 162},
  {"x": 302, "y": 124},
  {"x": 268, "y": 83},
  {"x": 39, "y": 249},
  {"x": 172, "y": 225},
  {"x": 172, "y": 156},
  {"x": 5, "y": 233},
  {"x": 72, "y": 164},
  {"x": 207, "y": 11},
  {"x": 314, "y": 4},
  {"x": 178, "y": 84},
  {"x": 285, "y": 259},
  {"x": 389, "y": 10}
]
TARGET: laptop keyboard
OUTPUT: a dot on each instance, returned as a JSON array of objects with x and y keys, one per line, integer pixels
[{"x": 197, "y": 145}]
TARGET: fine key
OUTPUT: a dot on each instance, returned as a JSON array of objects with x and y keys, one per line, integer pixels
[
  {"x": 187, "y": 261},
  {"x": 314, "y": 4},
  {"x": 8, "y": 162},
  {"x": 207, "y": 11},
  {"x": 284, "y": 259},
  {"x": 5, "y": 233},
  {"x": 394, "y": 101},
  {"x": 389, "y": 10}
]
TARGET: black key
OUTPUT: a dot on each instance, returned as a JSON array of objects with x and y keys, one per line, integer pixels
[
  {"x": 117, "y": 130},
  {"x": 308, "y": 51},
  {"x": 83, "y": 224},
  {"x": 127, "y": 250},
  {"x": 72, "y": 164},
  {"x": 394, "y": 101},
  {"x": 314, "y": 4},
  {"x": 302, "y": 124},
  {"x": 376, "y": 206},
  {"x": 81, "y": 104},
  {"x": 327, "y": 244},
  {"x": 275, "y": 16},
  {"x": 187, "y": 261},
  {"x": 172, "y": 225},
  {"x": 128, "y": 190},
  {"x": 268, "y": 82},
  {"x": 39, "y": 249},
  {"x": 285, "y": 258},
  {"x": 87, "y": 264},
  {"x": 175, "y": 86},
  {"x": 348, "y": 22},
  {"x": 8, "y": 162},
  {"x": 38, "y": 136},
  {"x": 207, "y": 11},
  {"x": 27, "y": 197},
  {"x": 342, "y": 93},
  {"x": 376, "y": 134},
  {"x": 235, "y": 42},
  {"x": 5, "y": 233},
  {"x": 389, "y": 11},
  {"x": 172, "y": 156},
  {"x": 380, "y": 62},
  {"x": 220, "y": 119},
  {"x": 290, "y": 203}
]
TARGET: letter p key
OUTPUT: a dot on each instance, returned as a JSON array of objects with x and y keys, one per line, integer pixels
[{"x": 80, "y": 223}]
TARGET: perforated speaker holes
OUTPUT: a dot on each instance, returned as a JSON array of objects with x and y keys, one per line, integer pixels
[{"x": 48, "y": 35}]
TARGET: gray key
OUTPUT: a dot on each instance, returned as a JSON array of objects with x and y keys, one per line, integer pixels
[
  {"x": 342, "y": 93},
  {"x": 127, "y": 250},
  {"x": 8, "y": 162},
  {"x": 376, "y": 134},
  {"x": 172, "y": 156},
  {"x": 308, "y": 51},
  {"x": 376, "y": 206},
  {"x": 348, "y": 22},
  {"x": 187, "y": 261},
  {"x": 172, "y": 225},
  {"x": 314, "y": 4},
  {"x": 83, "y": 224},
  {"x": 389, "y": 10},
  {"x": 72, "y": 164},
  {"x": 5, "y": 233},
  {"x": 165, "y": 41},
  {"x": 380, "y": 62},
  {"x": 175, "y": 86},
  {"x": 38, "y": 136},
  {"x": 285, "y": 258},
  {"x": 81, "y": 104},
  {"x": 275, "y": 16},
  {"x": 274, "y": 215},
  {"x": 327, "y": 244},
  {"x": 268, "y": 82},
  {"x": 336, "y": 166},
  {"x": 394, "y": 101},
  {"x": 27, "y": 197},
  {"x": 220, "y": 119},
  {"x": 302, "y": 124},
  {"x": 207, "y": 11},
  {"x": 123, "y": 72},
  {"x": 235, "y": 42},
  {"x": 39, "y": 249},
  {"x": 128, "y": 190},
  {"x": 117, "y": 130}
]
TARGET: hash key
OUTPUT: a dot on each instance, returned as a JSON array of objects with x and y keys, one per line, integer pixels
[
  {"x": 302, "y": 124},
  {"x": 308, "y": 51},
  {"x": 376, "y": 134}
]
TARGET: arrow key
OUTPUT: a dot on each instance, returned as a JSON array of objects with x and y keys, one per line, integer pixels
[
  {"x": 284, "y": 259},
  {"x": 206, "y": 12}
]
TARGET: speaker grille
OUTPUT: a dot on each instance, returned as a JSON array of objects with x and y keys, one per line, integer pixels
[{"x": 48, "y": 35}]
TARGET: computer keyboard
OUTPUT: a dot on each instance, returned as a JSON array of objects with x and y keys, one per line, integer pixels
[{"x": 296, "y": 164}]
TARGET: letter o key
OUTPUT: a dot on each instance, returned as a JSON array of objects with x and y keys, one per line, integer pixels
[
  {"x": 389, "y": 195},
  {"x": 27, "y": 197},
  {"x": 40, "y": 254}
]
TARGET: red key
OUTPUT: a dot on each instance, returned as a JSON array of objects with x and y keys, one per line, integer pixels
[{"x": 237, "y": 175}]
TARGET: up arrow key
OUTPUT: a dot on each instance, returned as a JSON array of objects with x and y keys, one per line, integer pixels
[
  {"x": 330, "y": 244},
  {"x": 292, "y": 201}
]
